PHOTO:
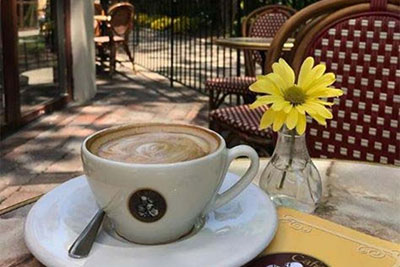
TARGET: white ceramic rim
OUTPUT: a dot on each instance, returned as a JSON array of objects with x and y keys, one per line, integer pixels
[{"x": 92, "y": 156}]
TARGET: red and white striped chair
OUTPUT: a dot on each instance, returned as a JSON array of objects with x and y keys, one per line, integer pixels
[
  {"x": 262, "y": 22},
  {"x": 361, "y": 44},
  {"x": 240, "y": 124}
]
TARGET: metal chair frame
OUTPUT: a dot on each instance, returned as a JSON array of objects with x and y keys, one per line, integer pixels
[
  {"x": 217, "y": 98},
  {"x": 113, "y": 41}
]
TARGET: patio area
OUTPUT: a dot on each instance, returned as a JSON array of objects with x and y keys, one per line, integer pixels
[{"x": 47, "y": 152}]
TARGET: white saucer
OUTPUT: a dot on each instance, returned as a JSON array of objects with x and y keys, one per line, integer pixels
[{"x": 232, "y": 235}]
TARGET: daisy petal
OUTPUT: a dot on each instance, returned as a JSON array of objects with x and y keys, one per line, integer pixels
[
  {"x": 309, "y": 109},
  {"x": 264, "y": 100},
  {"x": 279, "y": 105},
  {"x": 327, "y": 92},
  {"x": 300, "y": 109},
  {"x": 264, "y": 85},
  {"x": 279, "y": 69},
  {"x": 257, "y": 104},
  {"x": 325, "y": 103},
  {"x": 319, "y": 70},
  {"x": 279, "y": 119},
  {"x": 333, "y": 92},
  {"x": 278, "y": 81},
  {"x": 291, "y": 119},
  {"x": 288, "y": 70},
  {"x": 319, "y": 119},
  {"x": 301, "y": 124},
  {"x": 313, "y": 75},
  {"x": 320, "y": 109},
  {"x": 305, "y": 70},
  {"x": 267, "y": 119},
  {"x": 323, "y": 82},
  {"x": 316, "y": 92},
  {"x": 287, "y": 108}
]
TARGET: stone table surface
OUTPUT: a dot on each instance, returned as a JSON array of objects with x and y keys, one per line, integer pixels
[{"x": 364, "y": 197}]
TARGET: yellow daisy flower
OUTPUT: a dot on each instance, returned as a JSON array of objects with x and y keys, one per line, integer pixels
[{"x": 290, "y": 102}]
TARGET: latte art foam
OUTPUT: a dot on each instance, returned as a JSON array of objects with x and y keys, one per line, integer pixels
[{"x": 155, "y": 147}]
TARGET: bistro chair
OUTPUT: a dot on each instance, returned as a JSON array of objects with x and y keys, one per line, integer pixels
[
  {"x": 360, "y": 44},
  {"x": 98, "y": 9},
  {"x": 299, "y": 25},
  {"x": 262, "y": 22},
  {"x": 118, "y": 30},
  {"x": 96, "y": 28},
  {"x": 239, "y": 124}
]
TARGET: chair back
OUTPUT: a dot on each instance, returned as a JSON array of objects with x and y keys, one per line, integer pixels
[
  {"x": 264, "y": 22},
  {"x": 96, "y": 28},
  {"x": 360, "y": 44},
  {"x": 98, "y": 9},
  {"x": 304, "y": 20},
  {"x": 121, "y": 22}
]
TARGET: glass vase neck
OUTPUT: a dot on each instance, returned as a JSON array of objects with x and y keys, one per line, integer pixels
[
  {"x": 285, "y": 131},
  {"x": 290, "y": 143}
]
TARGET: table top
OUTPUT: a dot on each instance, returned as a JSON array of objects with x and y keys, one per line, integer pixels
[
  {"x": 358, "y": 195},
  {"x": 102, "y": 18},
  {"x": 252, "y": 43}
]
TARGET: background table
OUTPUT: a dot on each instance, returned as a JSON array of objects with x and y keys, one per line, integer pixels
[
  {"x": 252, "y": 43},
  {"x": 262, "y": 45},
  {"x": 361, "y": 196}
]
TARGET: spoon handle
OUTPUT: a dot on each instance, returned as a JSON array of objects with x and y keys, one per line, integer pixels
[{"x": 83, "y": 244}]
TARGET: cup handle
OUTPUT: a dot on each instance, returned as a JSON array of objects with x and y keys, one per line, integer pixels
[{"x": 245, "y": 180}]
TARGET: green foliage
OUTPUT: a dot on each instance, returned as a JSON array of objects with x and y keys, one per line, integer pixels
[
  {"x": 218, "y": 15},
  {"x": 143, "y": 19},
  {"x": 31, "y": 45},
  {"x": 180, "y": 24},
  {"x": 184, "y": 24},
  {"x": 161, "y": 24}
]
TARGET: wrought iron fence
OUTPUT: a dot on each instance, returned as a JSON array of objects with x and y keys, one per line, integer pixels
[{"x": 176, "y": 37}]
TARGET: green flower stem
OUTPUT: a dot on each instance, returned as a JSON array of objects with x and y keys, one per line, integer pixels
[{"x": 292, "y": 140}]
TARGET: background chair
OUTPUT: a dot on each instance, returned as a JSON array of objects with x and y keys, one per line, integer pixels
[
  {"x": 262, "y": 22},
  {"x": 240, "y": 124},
  {"x": 98, "y": 9},
  {"x": 296, "y": 26},
  {"x": 360, "y": 44},
  {"x": 119, "y": 28}
]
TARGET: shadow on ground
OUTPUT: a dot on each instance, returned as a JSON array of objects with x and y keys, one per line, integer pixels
[{"x": 47, "y": 152}]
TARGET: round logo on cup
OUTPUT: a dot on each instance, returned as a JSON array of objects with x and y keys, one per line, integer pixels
[{"x": 147, "y": 205}]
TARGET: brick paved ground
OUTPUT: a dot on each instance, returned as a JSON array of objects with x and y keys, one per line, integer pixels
[{"x": 46, "y": 152}]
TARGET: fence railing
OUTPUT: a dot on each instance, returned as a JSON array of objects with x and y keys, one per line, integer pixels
[{"x": 176, "y": 37}]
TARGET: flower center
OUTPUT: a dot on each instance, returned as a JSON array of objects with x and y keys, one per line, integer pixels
[{"x": 295, "y": 95}]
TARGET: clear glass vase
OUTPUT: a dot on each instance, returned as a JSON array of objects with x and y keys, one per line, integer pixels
[{"x": 291, "y": 178}]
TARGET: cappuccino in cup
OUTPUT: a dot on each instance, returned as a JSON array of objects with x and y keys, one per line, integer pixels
[
  {"x": 156, "y": 181},
  {"x": 151, "y": 146}
]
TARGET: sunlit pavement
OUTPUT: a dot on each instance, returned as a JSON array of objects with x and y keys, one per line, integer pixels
[{"x": 47, "y": 152}]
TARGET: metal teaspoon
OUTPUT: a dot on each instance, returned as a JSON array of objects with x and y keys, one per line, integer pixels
[{"x": 83, "y": 243}]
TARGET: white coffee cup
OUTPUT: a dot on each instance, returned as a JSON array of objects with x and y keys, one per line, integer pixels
[{"x": 159, "y": 203}]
